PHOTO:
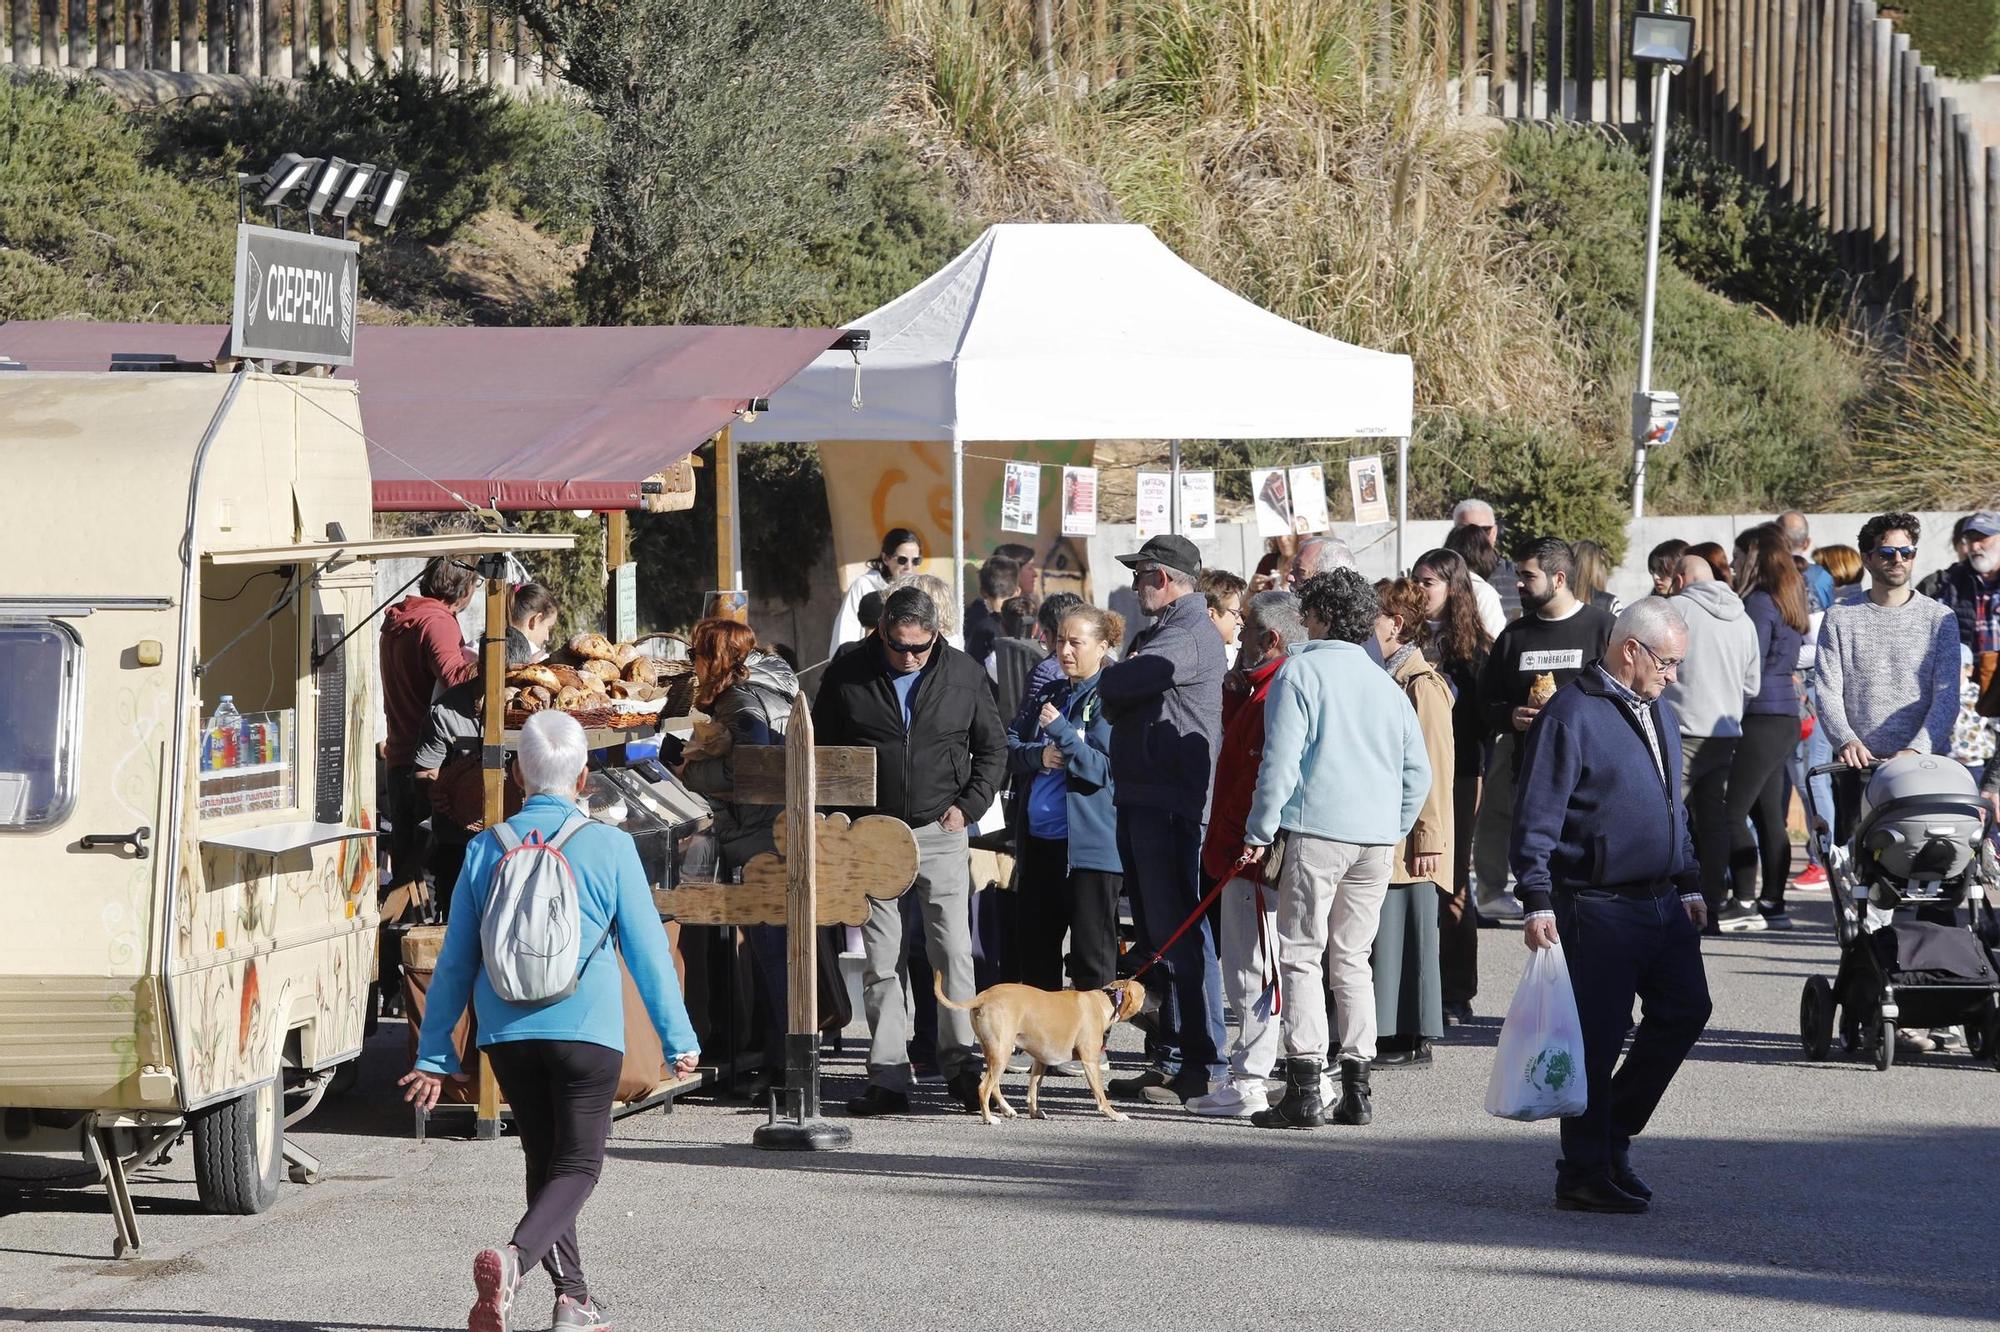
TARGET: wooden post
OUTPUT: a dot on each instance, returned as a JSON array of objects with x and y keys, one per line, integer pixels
[
  {"x": 1978, "y": 260},
  {"x": 1933, "y": 195},
  {"x": 1990, "y": 286},
  {"x": 1614, "y": 61},
  {"x": 493, "y": 774},
  {"x": 50, "y": 44},
  {"x": 243, "y": 41},
  {"x": 1788, "y": 107},
  {"x": 357, "y": 36},
  {"x": 276, "y": 57},
  {"x": 413, "y": 34},
  {"x": 1948, "y": 205},
  {"x": 1840, "y": 113},
  {"x": 1468, "y": 56},
  {"x": 107, "y": 34},
  {"x": 495, "y": 49},
  {"x": 79, "y": 33},
  {"x": 1496, "y": 61},
  {"x": 468, "y": 54},
  {"x": 441, "y": 37},
  {"x": 1881, "y": 47},
  {"x": 801, "y": 853},
  {"x": 1555, "y": 33},
  {"x": 1902, "y": 156},
  {"x": 1524, "y": 61},
  {"x": 617, "y": 550},
  {"x": 728, "y": 532}
]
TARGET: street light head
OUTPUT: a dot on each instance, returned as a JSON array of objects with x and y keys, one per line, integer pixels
[
  {"x": 387, "y": 193},
  {"x": 353, "y": 190},
  {"x": 330, "y": 173},
  {"x": 283, "y": 176},
  {"x": 1662, "y": 39}
]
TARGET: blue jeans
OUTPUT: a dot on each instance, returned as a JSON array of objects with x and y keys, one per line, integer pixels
[
  {"x": 1161, "y": 853},
  {"x": 1813, "y": 752},
  {"x": 1619, "y": 948}
]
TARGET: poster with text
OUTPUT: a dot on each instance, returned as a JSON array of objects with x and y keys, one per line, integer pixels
[
  {"x": 1198, "y": 505},
  {"x": 1155, "y": 517},
  {"x": 1309, "y": 499},
  {"x": 1079, "y": 501},
  {"x": 1273, "y": 496},
  {"x": 1365, "y": 485},
  {"x": 1021, "y": 500}
]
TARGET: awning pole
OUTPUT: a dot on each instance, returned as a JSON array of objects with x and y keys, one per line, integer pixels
[
  {"x": 958, "y": 526},
  {"x": 1174, "y": 486},
  {"x": 1402, "y": 499},
  {"x": 728, "y": 521}
]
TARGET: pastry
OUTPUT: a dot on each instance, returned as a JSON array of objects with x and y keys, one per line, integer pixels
[
  {"x": 643, "y": 669},
  {"x": 1542, "y": 690},
  {"x": 626, "y": 653},
  {"x": 601, "y": 668},
  {"x": 544, "y": 676},
  {"x": 566, "y": 677},
  {"x": 597, "y": 646},
  {"x": 532, "y": 700},
  {"x": 576, "y": 700}
]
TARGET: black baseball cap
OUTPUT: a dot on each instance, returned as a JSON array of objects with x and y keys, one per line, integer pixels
[{"x": 1172, "y": 552}]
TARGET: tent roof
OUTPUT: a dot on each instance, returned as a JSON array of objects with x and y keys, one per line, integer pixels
[
  {"x": 1087, "y": 331},
  {"x": 515, "y": 418}
]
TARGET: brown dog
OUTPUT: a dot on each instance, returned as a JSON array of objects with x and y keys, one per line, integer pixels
[{"x": 1051, "y": 1027}]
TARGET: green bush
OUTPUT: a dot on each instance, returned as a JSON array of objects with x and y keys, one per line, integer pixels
[
  {"x": 1539, "y": 482},
  {"x": 1960, "y": 37},
  {"x": 1767, "y": 405},
  {"x": 456, "y": 141},
  {"x": 88, "y": 231}
]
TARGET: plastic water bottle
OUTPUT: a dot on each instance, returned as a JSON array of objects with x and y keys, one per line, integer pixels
[{"x": 227, "y": 728}]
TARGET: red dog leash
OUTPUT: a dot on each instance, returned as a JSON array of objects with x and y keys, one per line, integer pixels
[{"x": 1201, "y": 908}]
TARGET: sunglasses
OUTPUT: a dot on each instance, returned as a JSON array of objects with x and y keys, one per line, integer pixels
[
  {"x": 1895, "y": 552},
  {"x": 909, "y": 649},
  {"x": 1143, "y": 572},
  {"x": 906, "y": 561}
]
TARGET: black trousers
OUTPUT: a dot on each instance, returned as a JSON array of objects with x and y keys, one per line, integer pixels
[
  {"x": 1056, "y": 900},
  {"x": 1458, "y": 923},
  {"x": 405, "y": 813},
  {"x": 1757, "y": 790},
  {"x": 1620, "y": 948},
  {"x": 561, "y": 1094},
  {"x": 1705, "y": 783}
]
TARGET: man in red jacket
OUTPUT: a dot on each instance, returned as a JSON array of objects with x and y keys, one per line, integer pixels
[
  {"x": 423, "y": 654},
  {"x": 1271, "y": 626}
]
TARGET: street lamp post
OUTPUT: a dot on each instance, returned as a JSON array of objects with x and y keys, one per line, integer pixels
[{"x": 1663, "y": 40}]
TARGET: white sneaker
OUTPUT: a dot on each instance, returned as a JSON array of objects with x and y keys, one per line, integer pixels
[
  {"x": 1237, "y": 1098},
  {"x": 1500, "y": 908}
]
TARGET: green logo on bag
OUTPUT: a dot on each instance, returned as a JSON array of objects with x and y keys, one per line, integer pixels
[{"x": 1551, "y": 1069}]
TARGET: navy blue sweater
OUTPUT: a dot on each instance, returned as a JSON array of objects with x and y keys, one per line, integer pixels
[
  {"x": 1779, "y": 644},
  {"x": 1590, "y": 809},
  {"x": 1084, "y": 736}
]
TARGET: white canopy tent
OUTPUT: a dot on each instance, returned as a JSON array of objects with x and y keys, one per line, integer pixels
[{"x": 1041, "y": 332}]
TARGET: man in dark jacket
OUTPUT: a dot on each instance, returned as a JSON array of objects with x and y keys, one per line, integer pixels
[
  {"x": 1165, "y": 704},
  {"x": 927, "y": 711},
  {"x": 1603, "y": 858},
  {"x": 423, "y": 654}
]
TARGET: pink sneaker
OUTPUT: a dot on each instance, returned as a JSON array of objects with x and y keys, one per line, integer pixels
[
  {"x": 1811, "y": 880},
  {"x": 495, "y": 1273}
]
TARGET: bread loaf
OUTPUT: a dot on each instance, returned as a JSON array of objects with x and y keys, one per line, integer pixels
[
  {"x": 576, "y": 700},
  {"x": 597, "y": 646},
  {"x": 626, "y": 653},
  {"x": 643, "y": 669},
  {"x": 544, "y": 676},
  {"x": 601, "y": 668}
]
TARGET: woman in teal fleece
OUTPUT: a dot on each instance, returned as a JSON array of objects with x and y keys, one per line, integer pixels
[{"x": 557, "y": 1063}]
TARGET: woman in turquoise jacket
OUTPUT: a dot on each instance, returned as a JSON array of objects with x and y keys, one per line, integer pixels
[{"x": 557, "y": 1063}]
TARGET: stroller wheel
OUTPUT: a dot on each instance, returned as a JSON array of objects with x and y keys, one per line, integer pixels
[
  {"x": 1885, "y": 1046},
  {"x": 1816, "y": 1018},
  {"x": 1990, "y": 1033}
]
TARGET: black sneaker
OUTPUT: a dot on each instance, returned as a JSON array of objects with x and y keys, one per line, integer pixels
[
  {"x": 1774, "y": 917},
  {"x": 1739, "y": 918},
  {"x": 1457, "y": 1013},
  {"x": 1177, "y": 1090},
  {"x": 1138, "y": 1084},
  {"x": 878, "y": 1101},
  {"x": 963, "y": 1087}
]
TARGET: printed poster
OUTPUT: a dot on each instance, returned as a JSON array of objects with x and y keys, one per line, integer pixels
[
  {"x": 1274, "y": 501},
  {"x": 1368, "y": 490},
  {"x": 1198, "y": 505},
  {"x": 1309, "y": 499},
  {"x": 1079, "y": 501},
  {"x": 1021, "y": 500},
  {"x": 1155, "y": 518}
]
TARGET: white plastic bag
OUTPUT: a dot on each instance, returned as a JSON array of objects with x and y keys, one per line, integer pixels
[{"x": 1538, "y": 1069}]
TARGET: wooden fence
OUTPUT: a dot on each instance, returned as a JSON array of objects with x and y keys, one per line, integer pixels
[{"x": 274, "y": 38}]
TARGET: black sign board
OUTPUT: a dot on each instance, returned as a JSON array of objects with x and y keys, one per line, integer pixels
[{"x": 295, "y": 296}]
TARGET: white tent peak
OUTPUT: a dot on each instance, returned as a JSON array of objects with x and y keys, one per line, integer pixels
[{"x": 1058, "y": 331}]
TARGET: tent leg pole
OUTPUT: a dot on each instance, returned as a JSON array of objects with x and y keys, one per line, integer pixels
[
  {"x": 958, "y": 524},
  {"x": 1402, "y": 499},
  {"x": 728, "y": 519},
  {"x": 1174, "y": 486}
]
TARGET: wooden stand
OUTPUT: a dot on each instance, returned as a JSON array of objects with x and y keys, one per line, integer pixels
[{"x": 493, "y": 763}]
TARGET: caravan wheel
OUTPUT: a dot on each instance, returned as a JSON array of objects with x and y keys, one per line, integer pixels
[{"x": 239, "y": 1152}]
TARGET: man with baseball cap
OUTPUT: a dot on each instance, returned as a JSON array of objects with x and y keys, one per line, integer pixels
[
  {"x": 1971, "y": 589},
  {"x": 1164, "y": 701}
]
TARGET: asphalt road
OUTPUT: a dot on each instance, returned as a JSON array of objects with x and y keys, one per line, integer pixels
[{"x": 1789, "y": 1194}]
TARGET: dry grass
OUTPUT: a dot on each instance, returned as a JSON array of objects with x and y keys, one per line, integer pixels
[
  {"x": 1255, "y": 139},
  {"x": 1927, "y": 439}
]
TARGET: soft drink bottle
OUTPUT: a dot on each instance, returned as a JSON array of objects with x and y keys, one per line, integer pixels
[{"x": 227, "y": 726}]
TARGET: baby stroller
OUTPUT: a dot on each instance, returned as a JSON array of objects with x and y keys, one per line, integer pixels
[{"x": 1919, "y": 851}]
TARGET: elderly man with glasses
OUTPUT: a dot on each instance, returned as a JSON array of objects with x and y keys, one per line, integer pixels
[
  {"x": 1604, "y": 859},
  {"x": 1164, "y": 701},
  {"x": 1888, "y": 664},
  {"x": 927, "y": 711}
]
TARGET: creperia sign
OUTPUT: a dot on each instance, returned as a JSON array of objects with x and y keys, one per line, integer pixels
[{"x": 295, "y": 296}]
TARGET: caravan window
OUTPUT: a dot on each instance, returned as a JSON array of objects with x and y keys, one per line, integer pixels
[{"x": 40, "y": 662}]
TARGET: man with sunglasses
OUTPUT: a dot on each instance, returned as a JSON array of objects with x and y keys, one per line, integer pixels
[
  {"x": 927, "y": 711},
  {"x": 1604, "y": 860},
  {"x": 1164, "y": 701},
  {"x": 1888, "y": 664}
]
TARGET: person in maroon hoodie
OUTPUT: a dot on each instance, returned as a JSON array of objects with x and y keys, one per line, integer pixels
[
  {"x": 1271, "y": 627},
  {"x": 423, "y": 654}
]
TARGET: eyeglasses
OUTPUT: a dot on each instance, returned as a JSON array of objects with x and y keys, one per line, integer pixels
[
  {"x": 1143, "y": 572},
  {"x": 909, "y": 649},
  {"x": 1895, "y": 552},
  {"x": 1664, "y": 663}
]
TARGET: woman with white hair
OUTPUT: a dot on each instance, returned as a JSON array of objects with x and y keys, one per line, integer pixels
[{"x": 557, "y": 1061}]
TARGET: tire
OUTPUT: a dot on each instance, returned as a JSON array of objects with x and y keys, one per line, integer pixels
[
  {"x": 345, "y": 1078},
  {"x": 239, "y": 1152},
  {"x": 1816, "y": 1018},
  {"x": 1885, "y": 1045}
]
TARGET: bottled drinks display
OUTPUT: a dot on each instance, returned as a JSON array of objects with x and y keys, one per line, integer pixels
[{"x": 232, "y": 740}]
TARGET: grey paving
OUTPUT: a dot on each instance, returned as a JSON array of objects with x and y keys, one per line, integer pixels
[{"x": 1824, "y": 1196}]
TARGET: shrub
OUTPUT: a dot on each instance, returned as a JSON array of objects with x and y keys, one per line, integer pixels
[
  {"x": 1960, "y": 37},
  {"x": 1925, "y": 439},
  {"x": 456, "y": 141},
  {"x": 88, "y": 231},
  {"x": 1538, "y": 481}
]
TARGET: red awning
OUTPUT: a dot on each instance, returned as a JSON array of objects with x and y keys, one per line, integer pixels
[{"x": 512, "y": 418}]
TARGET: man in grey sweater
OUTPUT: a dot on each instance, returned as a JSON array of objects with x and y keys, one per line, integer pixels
[
  {"x": 1888, "y": 664},
  {"x": 1723, "y": 668}
]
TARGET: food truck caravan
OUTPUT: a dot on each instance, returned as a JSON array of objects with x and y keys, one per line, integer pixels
[{"x": 186, "y": 771}]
